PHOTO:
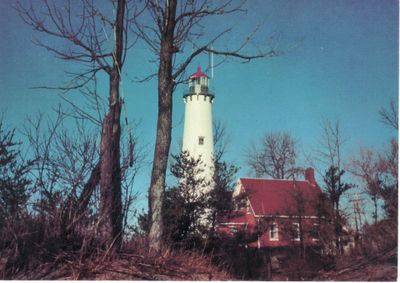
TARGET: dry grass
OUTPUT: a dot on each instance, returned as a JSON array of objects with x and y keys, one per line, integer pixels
[{"x": 135, "y": 263}]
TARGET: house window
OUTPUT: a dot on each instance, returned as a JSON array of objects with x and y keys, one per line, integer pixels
[
  {"x": 296, "y": 231},
  {"x": 201, "y": 140},
  {"x": 273, "y": 232},
  {"x": 315, "y": 232},
  {"x": 233, "y": 229}
]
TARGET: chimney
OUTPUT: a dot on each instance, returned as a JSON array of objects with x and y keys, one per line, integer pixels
[{"x": 309, "y": 175}]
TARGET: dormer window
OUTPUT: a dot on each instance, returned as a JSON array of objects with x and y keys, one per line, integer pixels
[{"x": 201, "y": 140}]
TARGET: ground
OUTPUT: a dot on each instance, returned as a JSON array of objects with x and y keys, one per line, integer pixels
[
  {"x": 378, "y": 268},
  {"x": 169, "y": 266},
  {"x": 184, "y": 266}
]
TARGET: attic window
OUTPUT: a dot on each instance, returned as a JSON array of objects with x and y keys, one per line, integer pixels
[
  {"x": 201, "y": 140},
  {"x": 273, "y": 232}
]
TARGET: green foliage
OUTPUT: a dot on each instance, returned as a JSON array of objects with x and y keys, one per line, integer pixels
[
  {"x": 334, "y": 185},
  {"x": 186, "y": 205},
  {"x": 142, "y": 227},
  {"x": 14, "y": 183},
  {"x": 14, "y": 194},
  {"x": 335, "y": 188},
  {"x": 221, "y": 197},
  {"x": 192, "y": 208}
]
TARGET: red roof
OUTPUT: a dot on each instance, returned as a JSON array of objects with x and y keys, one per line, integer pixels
[
  {"x": 198, "y": 73},
  {"x": 281, "y": 197},
  {"x": 240, "y": 218}
]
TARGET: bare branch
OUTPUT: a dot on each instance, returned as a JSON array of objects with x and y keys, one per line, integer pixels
[
  {"x": 82, "y": 30},
  {"x": 275, "y": 158},
  {"x": 389, "y": 116}
]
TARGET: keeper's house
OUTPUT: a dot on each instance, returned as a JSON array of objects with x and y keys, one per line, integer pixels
[{"x": 276, "y": 213}]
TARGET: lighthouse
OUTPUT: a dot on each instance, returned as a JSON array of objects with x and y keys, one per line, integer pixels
[{"x": 198, "y": 132}]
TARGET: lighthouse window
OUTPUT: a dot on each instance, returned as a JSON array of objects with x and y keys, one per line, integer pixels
[{"x": 201, "y": 140}]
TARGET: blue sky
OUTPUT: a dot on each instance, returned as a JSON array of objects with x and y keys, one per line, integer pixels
[{"x": 339, "y": 61}]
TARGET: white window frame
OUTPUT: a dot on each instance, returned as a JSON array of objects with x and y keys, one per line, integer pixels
[
  {"x": 316, "y": 225},
  {"x": 296, "y": 231},
  {"x": 276, "y": 227}
]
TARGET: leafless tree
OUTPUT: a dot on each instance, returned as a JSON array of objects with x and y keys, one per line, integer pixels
[
  {"x": 80, "y": 33},
  {"x": 331, "y": 143},
  {"x": 275, "y": 158},
  {"x": 389, "y": 116},
  {"x": 174, "y": 28},
  {"x": 366, "y": 167},
  {"x": 379, "y": 172},
  {"x": 330, "y": 156},
  {"x": 66, "y": 174},
  {"x": 221, "y": 140},
  {"x": 388, "y": 163}
]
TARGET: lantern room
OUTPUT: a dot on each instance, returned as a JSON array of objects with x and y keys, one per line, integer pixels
[{"x": 198, "y": 84}]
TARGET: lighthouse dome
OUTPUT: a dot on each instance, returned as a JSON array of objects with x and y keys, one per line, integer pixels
[{"x": 198, "y": 74}]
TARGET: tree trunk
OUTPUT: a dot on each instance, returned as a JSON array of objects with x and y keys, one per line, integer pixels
[
  {"x": 375, "y": 200},
  {"x": 302, "y": 243},
  {"x": 337, "y": 228},
  {"x": 110, "y": 222},
  {"x": 164, "y": 126},
  {"x": 73, "y": 214}
]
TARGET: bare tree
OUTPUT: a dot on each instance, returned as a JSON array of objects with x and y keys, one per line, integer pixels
[
  {"x": 275, "y": 158},
  {"x": 221, "y": 140},
  {"x": 224, "y": 176},
  {"x": 330, "y": 155},
  {"x": 66, "y": 174},
  {"x": 389, "y": 116},
  {"x": 331, "y": 145},
  {"x": 84, "y": 30},
  {"x": 176, "y": 26},
  {"x": 388, "y": 163},
  {"x": 366, "y": 168}
]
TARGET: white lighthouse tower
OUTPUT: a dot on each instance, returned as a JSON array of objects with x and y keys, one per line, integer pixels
[{"x": 198, "y": 131}]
